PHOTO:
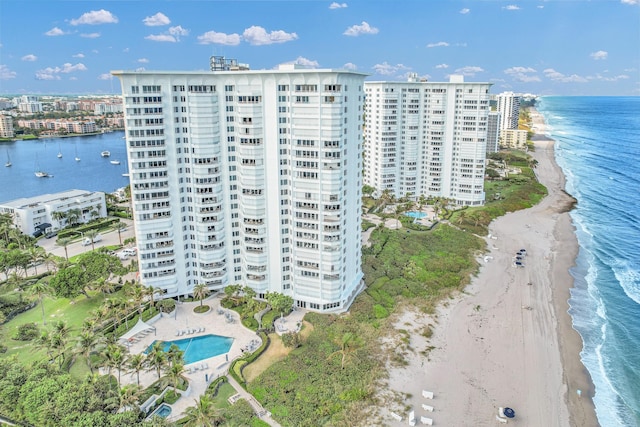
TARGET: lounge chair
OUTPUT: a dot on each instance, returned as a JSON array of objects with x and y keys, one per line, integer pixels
[
  {"x": 501, "y": 412},
  {"x": 502, "y": 420},
  {"x": 426, "y": 421},
  {"x": 427, "y": 394},
  {"x": 427, "y": 408}
]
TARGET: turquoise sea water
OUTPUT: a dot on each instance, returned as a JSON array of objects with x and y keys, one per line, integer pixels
[
  {"x": 598, "y": 148},
  {"x": 92, "y": 172}
]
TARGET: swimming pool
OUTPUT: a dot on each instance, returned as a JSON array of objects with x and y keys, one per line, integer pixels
[
  {"x": 198, "y": 348},
  {"x": 163, "y": 411},
  {"x": 415, "y": 214}
]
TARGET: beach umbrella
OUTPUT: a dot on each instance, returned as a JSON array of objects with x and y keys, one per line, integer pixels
[{"x": 509, "y": 413}]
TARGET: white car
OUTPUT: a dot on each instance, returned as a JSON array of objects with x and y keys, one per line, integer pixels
[{"x": 87, "y": 241}]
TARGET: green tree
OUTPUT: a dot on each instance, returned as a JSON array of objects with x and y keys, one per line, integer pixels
[
  {"x": 114, "y": 358},
  {"x": 91, "y": 235},
  {"x": 280, "y": 303},
  {"x": 136, "y": 363},
  {"x": 41, "y": 289},
  {"x": 36, "y": 253},
  {"x": 156, "y": 358},
  {"x": 203, "y": 414},
  {"x": 349, "y": 343},
  {"x": 200, "y": 292},
  {"x": 64, "y": 242},
  {"x": 130, "y": 396},
  {"x": 70, "y": 282},
  {"x": 74, "y": 215},
  {"x": 120, "y": 227},
  {"x": 87, "y": 343}
]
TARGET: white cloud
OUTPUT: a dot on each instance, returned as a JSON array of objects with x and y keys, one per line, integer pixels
[
  {"x": 439, "y": 44},
  {"x": 95, "y": 17},
  {"x": 386, "y": 69},
  {"x": 465, "y": 11},
  {"x": 105, "y": 76},
  {"x": 599, "y": 55},
  {"x": 511, "y": 7},
  {"x": 258, "y": 36},
  {"x": 6, "y": 73},
  {"x": 468, "y": 70},
  {"x": 211, "y": 37},
  {"x": 178, "y": 31},
  {"x": 90, "y": 35},
  {"x": 143, "y": 60},
  {"x": 306, "y": 62},
  {"x": 161, "y": 38},
  {"x": 78, "y": 55},
  {"x": 156, "y": 20},
  {"x": 52, "y": 73},
  {"x": 442, "y": 66},
  {"x": 29, "y": 58},
  {"x": 612, "y": 79},
  {"x": 541, "y": 6},
  {"x": 336, "y": 5},
  {"x": 350, "y": 66},
  {"x": 522, "y": 74},
  {"x": 630, "y": 2},
  {"x": 55, "y": 31},
  {"x": 364, "y": 28},
  {"x": 554, "y": 75}
]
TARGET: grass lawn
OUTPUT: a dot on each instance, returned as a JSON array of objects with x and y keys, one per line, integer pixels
[
  {"x": 73, "y": 312},
  {"x": 225, "y": 391}
]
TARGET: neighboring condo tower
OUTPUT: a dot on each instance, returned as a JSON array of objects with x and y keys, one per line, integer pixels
[
  {"x": 248, "y": 177},
  {"x": 427, "y": 139}
]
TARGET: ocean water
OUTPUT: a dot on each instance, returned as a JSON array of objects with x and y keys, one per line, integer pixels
[
  {"x": 92, "y": 172},
  {"x": 598, "y": 148}
]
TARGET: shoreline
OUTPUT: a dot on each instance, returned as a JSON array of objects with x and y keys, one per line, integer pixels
[{"x": 507, "y": 340}]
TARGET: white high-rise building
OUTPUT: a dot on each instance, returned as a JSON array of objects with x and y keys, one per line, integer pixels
[
  {"x": 248, "y": 177},
  {"x": 509, "y": 109},
  {"x": 427, "y": 138}
]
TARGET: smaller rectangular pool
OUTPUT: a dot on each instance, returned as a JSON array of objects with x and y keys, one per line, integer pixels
[{"x": 198, "y": 348}]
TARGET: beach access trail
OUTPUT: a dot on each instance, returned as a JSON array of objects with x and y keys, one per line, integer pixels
[{"x": 507, "y": 341}]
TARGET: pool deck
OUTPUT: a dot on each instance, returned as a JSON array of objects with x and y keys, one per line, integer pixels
[{"x": 185, "y": 318}]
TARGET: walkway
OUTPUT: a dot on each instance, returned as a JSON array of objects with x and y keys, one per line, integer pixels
[{"x": 263, "y": 414}]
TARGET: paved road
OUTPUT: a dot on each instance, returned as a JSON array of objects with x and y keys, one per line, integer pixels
[{"x": 108, "y": 239}]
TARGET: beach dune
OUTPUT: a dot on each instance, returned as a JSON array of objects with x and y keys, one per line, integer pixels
[{"x": 507, "y": 341}]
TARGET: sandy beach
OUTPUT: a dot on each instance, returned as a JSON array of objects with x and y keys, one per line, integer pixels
[{"x": 507, "y": 341}]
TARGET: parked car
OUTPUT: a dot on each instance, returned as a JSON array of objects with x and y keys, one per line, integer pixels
[{"x": 87, "y": 241}]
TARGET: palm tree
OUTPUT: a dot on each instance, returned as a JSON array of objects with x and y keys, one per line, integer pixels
[
  {"x": 91, "y": 234},
  {"x": 200, "y": 291},
  {"x": 41, "y": 289},
  {"x": 175, "y": 375},
  {"x": 204, "y": 414},
  {"x": 114, "y": 358},
  {"x": 86, "y": 344},
  {"x": 136, "y": 363},
  {"x": 348, "y": 345},
  {"x": 64, "y": 242},
  {"x": 175, "y": 356},
  {"x": 120, "y": 227},
  {"x": 150, "y": 291},
  {"x": 6, "y": 223},
  {"x": 74, "y": 215},
  {"x": 35, "y": 255},
  {"x": 129, "y": 396},
  {"x": 156, "y": 358},
  {"x": 59, "y": 217}
]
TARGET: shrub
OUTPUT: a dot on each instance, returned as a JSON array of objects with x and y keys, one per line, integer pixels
[
  {"x": 201, "y": 309},
  {"x": 291, "y": 339},
  {"x": 380, "y": 312},
  {"x": 26, "y": 332}
]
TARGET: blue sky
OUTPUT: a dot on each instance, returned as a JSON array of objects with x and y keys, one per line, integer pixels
[{"x": 562, "y": 47}]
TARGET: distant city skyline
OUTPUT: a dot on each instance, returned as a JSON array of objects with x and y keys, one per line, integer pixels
[{"x": 542, "y": 47}]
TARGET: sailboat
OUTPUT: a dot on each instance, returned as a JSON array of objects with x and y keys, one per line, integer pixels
[
  {"x": 59, "y": 151},
  {"x": 77, "y": 158},
  {"x": 39, "y": 172},
  {"x": 8, "y": 164}
]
